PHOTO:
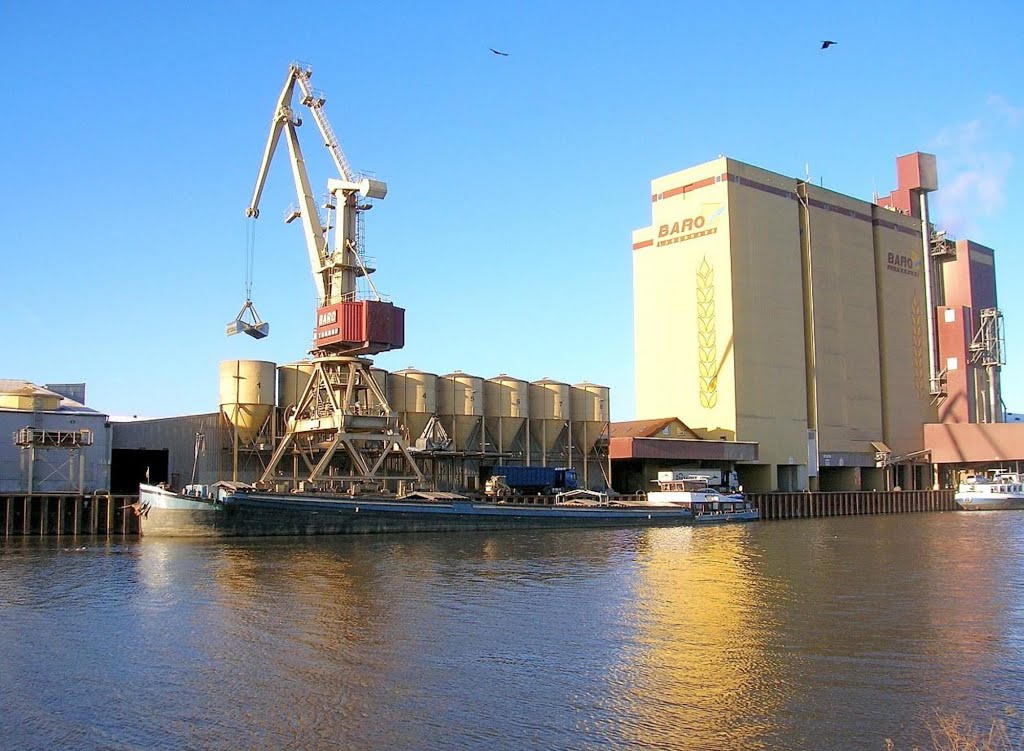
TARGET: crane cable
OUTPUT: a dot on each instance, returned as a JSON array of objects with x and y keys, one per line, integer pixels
[{"x": 250, "y": 257}]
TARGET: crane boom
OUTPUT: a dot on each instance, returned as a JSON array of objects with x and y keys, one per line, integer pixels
[
  {"x": 315, "y": 104},
  {"x": 380, "y": 326},
  {"x": 282, "y": 114}
]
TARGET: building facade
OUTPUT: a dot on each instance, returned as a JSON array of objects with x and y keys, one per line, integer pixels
[
  {"x": 770, "y": 310},
  {"x": 51, "y": 443}
]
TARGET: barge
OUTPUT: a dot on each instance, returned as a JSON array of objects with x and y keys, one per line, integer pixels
[{"x": 234, "y": 510}]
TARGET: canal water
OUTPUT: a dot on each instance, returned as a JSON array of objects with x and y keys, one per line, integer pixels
[{"x": 809, "y": 634}]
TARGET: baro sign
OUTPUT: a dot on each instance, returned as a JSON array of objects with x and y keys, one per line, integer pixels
[
  {"x": 691, "y": 227},
  {"x": 909, "y": 264}
]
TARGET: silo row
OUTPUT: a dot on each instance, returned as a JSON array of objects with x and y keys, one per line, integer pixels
[
  {"x": 502, "y": 406},
  {"x": 464, "y": 404}
]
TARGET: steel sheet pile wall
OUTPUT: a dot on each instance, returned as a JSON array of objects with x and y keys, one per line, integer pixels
[{"x": 853, "y": 503}]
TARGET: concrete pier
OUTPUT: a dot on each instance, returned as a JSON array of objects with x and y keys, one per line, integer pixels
[
  {"x": 22, "y": 515},
  {"x": 811, "y": 505}
]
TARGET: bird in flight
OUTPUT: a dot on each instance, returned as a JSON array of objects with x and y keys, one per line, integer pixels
[
  {"x": 496, "y": 52},
  {"x": 827, "y": 43}
]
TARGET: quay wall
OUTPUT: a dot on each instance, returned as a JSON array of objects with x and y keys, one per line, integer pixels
[
  {"x": 24, "y": 515},
  {"x": 805, "y": 505}
]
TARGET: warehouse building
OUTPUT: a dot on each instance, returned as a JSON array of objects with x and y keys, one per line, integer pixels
[
  {"x": 771, "y": 310},
  {"x": 52, "y": 443}
]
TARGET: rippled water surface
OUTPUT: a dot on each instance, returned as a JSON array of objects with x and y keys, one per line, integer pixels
[{"x": 811, "y": 634}]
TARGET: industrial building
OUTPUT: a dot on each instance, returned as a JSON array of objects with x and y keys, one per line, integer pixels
[
  {"x": 456, "y": 425},
  {"x": 771, "y": 310},
  {"x": 53, "y": 443},
  {"x": 804, "y": 339}
]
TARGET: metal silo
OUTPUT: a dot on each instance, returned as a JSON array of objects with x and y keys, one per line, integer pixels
[
  {"x": 247, "y": 395},
  {"x": 590, "y": 414},
  {"x": 413, "y": 395},
  {"x": 460, "y": 406},
  {"x": 506, "y": 407},
  {"x": 549, "y": 414},
  {"x": 292, "y": 379}
]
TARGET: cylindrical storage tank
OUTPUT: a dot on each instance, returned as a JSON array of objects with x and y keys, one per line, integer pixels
[
  {"x": 380, "y": 377},
  {"x": 460, "y": 407},
  {"x": 549, "y": 413},
  {"x": 413, "y": 395},
  {"x": 506, "y": 407},
  {"x": 247, "y": 394},
  {"x": 590, "y": 414},
  {"x": 292, "y": 379}
]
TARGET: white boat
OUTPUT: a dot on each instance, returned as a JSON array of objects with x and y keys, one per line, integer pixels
[
  {"x": 708, "y": 505},
  {"x": 997, "y": 491}
]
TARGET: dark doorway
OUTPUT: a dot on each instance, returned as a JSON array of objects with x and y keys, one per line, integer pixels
[{"x": 128, "y": 468}]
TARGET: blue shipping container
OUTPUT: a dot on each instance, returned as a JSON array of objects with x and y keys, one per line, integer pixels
[{"x": 534, "y": 479}]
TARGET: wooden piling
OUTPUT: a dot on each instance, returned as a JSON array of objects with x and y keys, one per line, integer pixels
[{"x": 23, "y": 514}]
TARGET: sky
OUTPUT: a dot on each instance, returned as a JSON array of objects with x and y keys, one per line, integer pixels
[{"x": 134, "y": 131}]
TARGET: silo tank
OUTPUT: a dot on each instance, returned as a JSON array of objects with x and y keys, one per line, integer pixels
[
  {"x": 549, "y": 412},
  {"x": 590, "y": 414},
  {"x": 247, "y": 395},
  {"x": 460, "y": 406},
  {"x": 413, "y": 395},
  {"x": 506, "y": 407},
  {"x": 292, "y": 379}
]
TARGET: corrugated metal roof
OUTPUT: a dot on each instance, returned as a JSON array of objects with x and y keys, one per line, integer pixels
[{"x": 18, "y": 387}]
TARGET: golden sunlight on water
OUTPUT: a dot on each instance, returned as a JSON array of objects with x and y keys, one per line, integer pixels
[
  {"x": 700, "y": 620},
  {"x": 816, "y": 634}
]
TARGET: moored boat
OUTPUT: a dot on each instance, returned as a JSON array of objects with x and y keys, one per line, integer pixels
[
  {"x": 1000, "y": 490},
  {"x": 708, "y": 505},
  {"x": 228, "y": 509}
]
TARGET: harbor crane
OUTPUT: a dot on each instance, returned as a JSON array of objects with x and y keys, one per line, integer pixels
[{"x": 342, "y": 412}]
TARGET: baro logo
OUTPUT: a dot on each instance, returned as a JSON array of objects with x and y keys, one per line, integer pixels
[
  {"x": 909, "y": 264},
  {"x": 704, "y": 223}
]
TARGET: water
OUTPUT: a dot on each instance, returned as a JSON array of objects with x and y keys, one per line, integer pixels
[{"x": 810, "y": 634}]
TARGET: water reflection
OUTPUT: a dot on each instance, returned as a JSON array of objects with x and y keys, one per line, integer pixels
[
  {"x": 700, "y": 671},
  {"x": 833, "y": 633}
]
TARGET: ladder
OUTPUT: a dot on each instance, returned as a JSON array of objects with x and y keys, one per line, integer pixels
[{"x": 315, "y": 104}]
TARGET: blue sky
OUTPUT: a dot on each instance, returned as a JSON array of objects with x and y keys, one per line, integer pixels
[{"x": 133, "y": 133}]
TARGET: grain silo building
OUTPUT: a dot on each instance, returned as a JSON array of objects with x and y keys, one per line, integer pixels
[{"x": 771, "y": 310}]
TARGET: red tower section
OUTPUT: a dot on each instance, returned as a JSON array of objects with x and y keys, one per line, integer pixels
[{"x": 362, "y": 327}]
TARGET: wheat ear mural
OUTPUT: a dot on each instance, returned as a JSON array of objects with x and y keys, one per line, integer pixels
[{"x": 707, "y": 352}]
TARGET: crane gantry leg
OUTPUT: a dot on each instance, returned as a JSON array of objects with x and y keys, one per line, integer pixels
[{"x": 343, "y": 407}]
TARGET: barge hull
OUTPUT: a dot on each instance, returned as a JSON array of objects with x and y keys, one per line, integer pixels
[{"x": 165, "y": 514}]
